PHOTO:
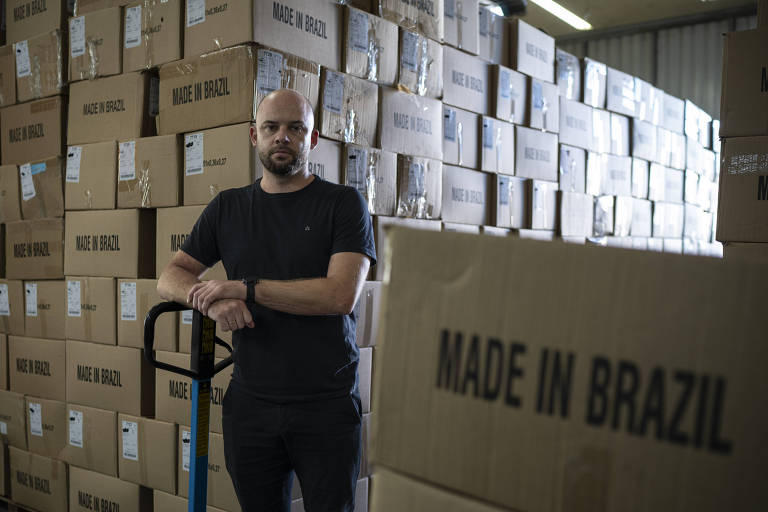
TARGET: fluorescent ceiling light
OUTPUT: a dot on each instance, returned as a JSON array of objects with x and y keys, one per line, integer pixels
[{"x": 563, "y": 13}]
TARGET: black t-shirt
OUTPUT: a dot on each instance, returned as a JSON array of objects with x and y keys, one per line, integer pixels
[{"x": 286, "y": 357}]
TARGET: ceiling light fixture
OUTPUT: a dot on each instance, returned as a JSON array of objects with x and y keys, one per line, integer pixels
[{"x": 563, "y": 13}]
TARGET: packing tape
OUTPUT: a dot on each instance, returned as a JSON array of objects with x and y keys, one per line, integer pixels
[
  {"x": 497, "y": 142},
  {"x": 147, "y": 14},
  {"x": 510, "y": 196},
  {"x": 373, "y": 53},
  {"x": 61, "y": 80},
  {"x": 423, "y": 67},
  {"x": 544, "y": 111},
  {"x": 350, "y": 124},
  {"x": 93, "y": 59},
  {"x": 2, "y": 87},
  {"x": 459, "y": 23},
  {"x": 460, "y": 140},
  {"x": 371, "y": 179},
  {"x": 145, "y": 185},
  {"x": 85, "y": 296},
  {"x": 88, "y": 193},
  {"x": 368, "y": 320},
  {"x": 213, "y": 190}
]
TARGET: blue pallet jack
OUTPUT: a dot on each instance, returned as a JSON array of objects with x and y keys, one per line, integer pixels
[{"x": 201, "y": 371}]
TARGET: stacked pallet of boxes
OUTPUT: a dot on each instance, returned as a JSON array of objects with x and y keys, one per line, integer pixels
[{"x": 742, "y": 215}]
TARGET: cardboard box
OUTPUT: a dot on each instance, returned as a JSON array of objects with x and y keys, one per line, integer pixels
[
  {"x": 743, "y": 200},
  {"x": 135, "y": 298},
  {"x": 663, "y": 146},
  {"x": 225, "y": 87},
  {"x": 648, "y": 102},
  {"x": 37, "y": 367},
  {"x": 494, "y": 231},
  {"x": 112, "y": 108},
  {"x": 40, "y": 70},
  {"x": 601, "y": 131},
  {"x": 509, "y": 200},
  {"x": 10, "y": 196},
  {"x": 587, "y": 419},
  {"x": 5, "y": 481},
  {"x": 620, "y": 92},
  {"x": 668, "y": 220},
  {"x": 91, "y": 439},
  {"x": 370, "y": 47},
  {"x": 544, "y": 106},
  {"x": 691, "y": 188},
  {"x": 364, "y": 368},
  {"x": 743, "y": 103},
  {"x": 575, "y": 123},
  {"x": 639, "y": 178},
  {"x": 622, "y": 215},
  {"x": 209, "y": 26},
  {"x": 147, "y": 452},
  {"x": 45, "y": 309},
  {"x": 373, "y": 173},
  {"x": 42, "y": 190},
  {"x": 349, "y": 108},
  {"x": 568, "y": 75},
  {"x": 7, "y": 75},
  {"x": 12, "y": 307},
  {"x": 509, "y": 90},
  {"x": 460, "y": 137},
  {"x": 542, "y": 204},
  {"x": 25, "y": 19},
  {"x": 678, "y": 152},
  {"x": 410, "y": 124},
  {"x": 170, "y": 503},
  {"x": 114, "y": 378},
  {"x": 365, "y": 464},
  {"x": 152, "y": 34},
  {"x": 86, "y": 6},
  {"x": 534, "y": 234},
  {"x": 173, "y": 227},
  {"x": 576, "y": 212},
  {"x": 173, "y": 392},
  {"x": 617, "y": 176},
  {"x": 38, "y": 482},
  {"x": 604, "y": 215},
  {"x": 674, "y": 186},
  {"x": 620, "y": 135},
  {"x": 424, "y": 17},
  {"x": 216, "y": 160},
  {"x": 90, "y": 309},
  {"x": 466, "y": 81},
  {"x": 493, "y": 36},
  {"x": 454, "y": 227},
  {"x": 46, "y": 426},
  {"x": 644, "y": 140},
  {"x": 497, "y": 146},
  {"x": 673, "y": 114},
  {"x": 697, "y": 124},
  {"x": 733, "y": 251},
  {"x": 465, "y": 196},
  {"x": 13, "y": 419},
  {"x": 419, "y": 187},
  {"x": 394, "y": 491},
  {"x": 33, "y": 130},
  {"x": 89, "y": 491},
  {"x": 673, "y": 245},
  {"x": 420, "y": 67},
  {"x": 380, "y": 226},
  {"x": 536, "y": 154},
  {"x": 149, "y": 172},
  {"x": 595, "y": 83},
  {"x": 91, "y": 176},
  {"x": 221, "y": 493},
  {"x": 367, "y": 314},
  {"x": 462, "y": 25},
  {"x": 95, "y": 45},
  {"x": 4, "y": 362},
  {"x": 110, "y": 243},
  {"x": 657, "y": 177},
  {"x": 572, "y": 169},
  {"x": 532, "y": 51}
]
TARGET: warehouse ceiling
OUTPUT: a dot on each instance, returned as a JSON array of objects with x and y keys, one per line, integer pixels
[{"x": 604, "y": 14}]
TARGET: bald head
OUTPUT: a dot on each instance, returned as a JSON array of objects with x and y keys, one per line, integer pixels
[{"x": 286, "y": 101}]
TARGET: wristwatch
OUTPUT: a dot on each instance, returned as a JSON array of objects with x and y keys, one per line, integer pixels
[{"x": 250, "y": 293}]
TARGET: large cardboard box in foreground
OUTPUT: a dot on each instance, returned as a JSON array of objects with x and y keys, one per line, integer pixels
[
  {"x": 656, "y": 398},
  {"x": 744, "y": 102}
]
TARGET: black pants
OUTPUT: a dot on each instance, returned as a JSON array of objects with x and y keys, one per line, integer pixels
[{"x": 318, "y": 440}]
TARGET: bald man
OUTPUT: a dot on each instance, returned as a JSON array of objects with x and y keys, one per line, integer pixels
[{"x": 296, "y": 250}]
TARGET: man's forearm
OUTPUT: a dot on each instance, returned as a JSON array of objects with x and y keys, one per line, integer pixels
[
  {"x": 320, "y": 296},
  {"x": 174, "y": 284}
]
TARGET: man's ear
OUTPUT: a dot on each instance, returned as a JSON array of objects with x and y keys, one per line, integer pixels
[
  {"x": 252, "y": 134},
  {"x": 313, "y": 140}
]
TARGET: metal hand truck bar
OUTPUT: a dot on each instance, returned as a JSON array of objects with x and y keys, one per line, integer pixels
[{"x": 202, "y": 369}]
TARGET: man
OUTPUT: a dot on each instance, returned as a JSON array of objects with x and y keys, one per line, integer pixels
[{"x": 303, "y": 247}]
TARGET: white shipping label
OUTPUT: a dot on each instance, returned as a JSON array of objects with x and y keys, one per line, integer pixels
[
  {"x": 410, "y": 57},
  {"x": 133, "y": 27},
  {"x": 30, "y": 296},
  {"x": 333, "y": 97},
  {"x": 449, "y": 124},
  {"x": 130, "y": 440},
  {"x": 3, "y": 428},
  {"x": 358, "y": 31},
  {"x": 485, "y": 21},
  {"x": 73, "y": 298},
  {"x": 505, "y": 83},
  {"x": 269, "y": 72},
  {"x": 193, "y": 154},
  {"x": 36, "y": 419},
  {"x": 23, "y": 67},
  {"x": 449, "y": 8},
  {"x": 186, "y": 317},
  {"x": 77, "y": 36},
  {"x": 27, "y": 185},
  {"x": 195, "y": 12},
  {"x": 356, "y": 163},
  {"x": 127, "y": 161},
  {"x": 128, "y": 301},
  {"x": 488, "y": 133},
  {"x": 74, "y": 157},
  {"x": 186, "y": 440},
  {"x": 5, "y": 303},
  {"x": 416, "y": 181},
  {"x": 76, "y": 428}
]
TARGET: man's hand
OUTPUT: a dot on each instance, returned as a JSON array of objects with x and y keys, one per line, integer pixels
[
  {"x": 203, "y": 295},
  {"x": 231, "y": 314}
]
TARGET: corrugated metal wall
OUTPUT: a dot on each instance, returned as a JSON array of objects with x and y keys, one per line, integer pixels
[{"x": 684, "y": 61}]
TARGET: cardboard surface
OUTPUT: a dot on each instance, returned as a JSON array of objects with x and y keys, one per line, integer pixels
[
  {"x": 370, "y": 47},
  {"x": 38, "y": 482},
  {"x": 620, "y": 92},
  {"x": 576, "y": 213},
  {"x": 13, "y": 413},
  {"x": 45, "y": 309},
  {"x": 542, "y": 205},
  {"x": 33, "y": 130},
  {"x": 173, "y": 227},
  {"x": 90, "y": 309},
  {"x": 509, "y": 92},
  {"x": 146, "y": 452},
  {"x": 461, "y": 137},
  {"x": 95, "y": 45},
  {"x": 576, "y": 124},
  {"x": 7, "y": 75},
  {"x": 509, "y": 203},
  {"x": 46, "y": 426},
  {"x": 620, "y": 136},
  {"x": 25, "y": 19},
  {"x": 90, "y": 178},
  {"x": 91, "y": 440},
  {"x": 380, "y": 226},
  {"x": 419, "y": 187},
  {"x": 494, "y": 37},
  {"x": 10, "y": 193},
  {"x": 497, "y": 146},
  {"x": 410, "y": 124},
  {"x": 373, "y": 173},
  {"x": 220, "y": 491},
  {"x": 745, "y": 251},
  {"x": 420, "y": 67},
  {"x": 46, "y": 74},
  {"x": 466, "y": 197},
  {"x": 367, "y": 314},
  {"x": 743, "y": 105},
  {"x": 12, "y": 317},
  {"x": 572, "y": 169},
  {"x": 209, "y": 26},
  {"x": 543, "y": 106},
  {"x": 42, "y": 191},
  {"x": 152, "y": 34},
  {"x": 462, "y": 25},
  {"x": 568, "y": 75},
  {"x": 37, "y": 367},
  {"x": 425, "y": 17},
  {"x": 89, "y": 490},
  {"x": 349, "y": 108},
  {"x": 673, "y": 114},
  {"x": 532, "y": 51},
  {"x": 595, "y": 82},
  {"x": 466, "y": 81},
  {"x": 585, "y": 443},
  {"x": 536, "y": 154},
  {"x": 149, "y": 172},
  {"x": 644, "y": 143},
  {"x": 170, "y": 503},
  {"x": 135, "y": 297}
]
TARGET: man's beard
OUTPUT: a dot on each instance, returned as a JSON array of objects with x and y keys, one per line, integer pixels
[{"x": 283, "y": 169}]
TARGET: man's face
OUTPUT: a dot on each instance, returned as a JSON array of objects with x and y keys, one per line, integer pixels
[{"x": 283, "y": 133}]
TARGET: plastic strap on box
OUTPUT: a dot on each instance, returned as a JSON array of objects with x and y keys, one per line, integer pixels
[
  {"x": 459, "y": 17},
  {"x": 510, "y": 197},
  {"x": 414, "y": 202},
  {"x": 350, "y": 123},
  {"x": 370, "y": 180}
]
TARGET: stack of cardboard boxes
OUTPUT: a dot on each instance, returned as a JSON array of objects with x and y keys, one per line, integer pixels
[{"x": 742, "y": 215}]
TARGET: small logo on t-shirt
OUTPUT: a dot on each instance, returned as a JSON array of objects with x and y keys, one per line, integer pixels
[{"x": 306, "y": 228}]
